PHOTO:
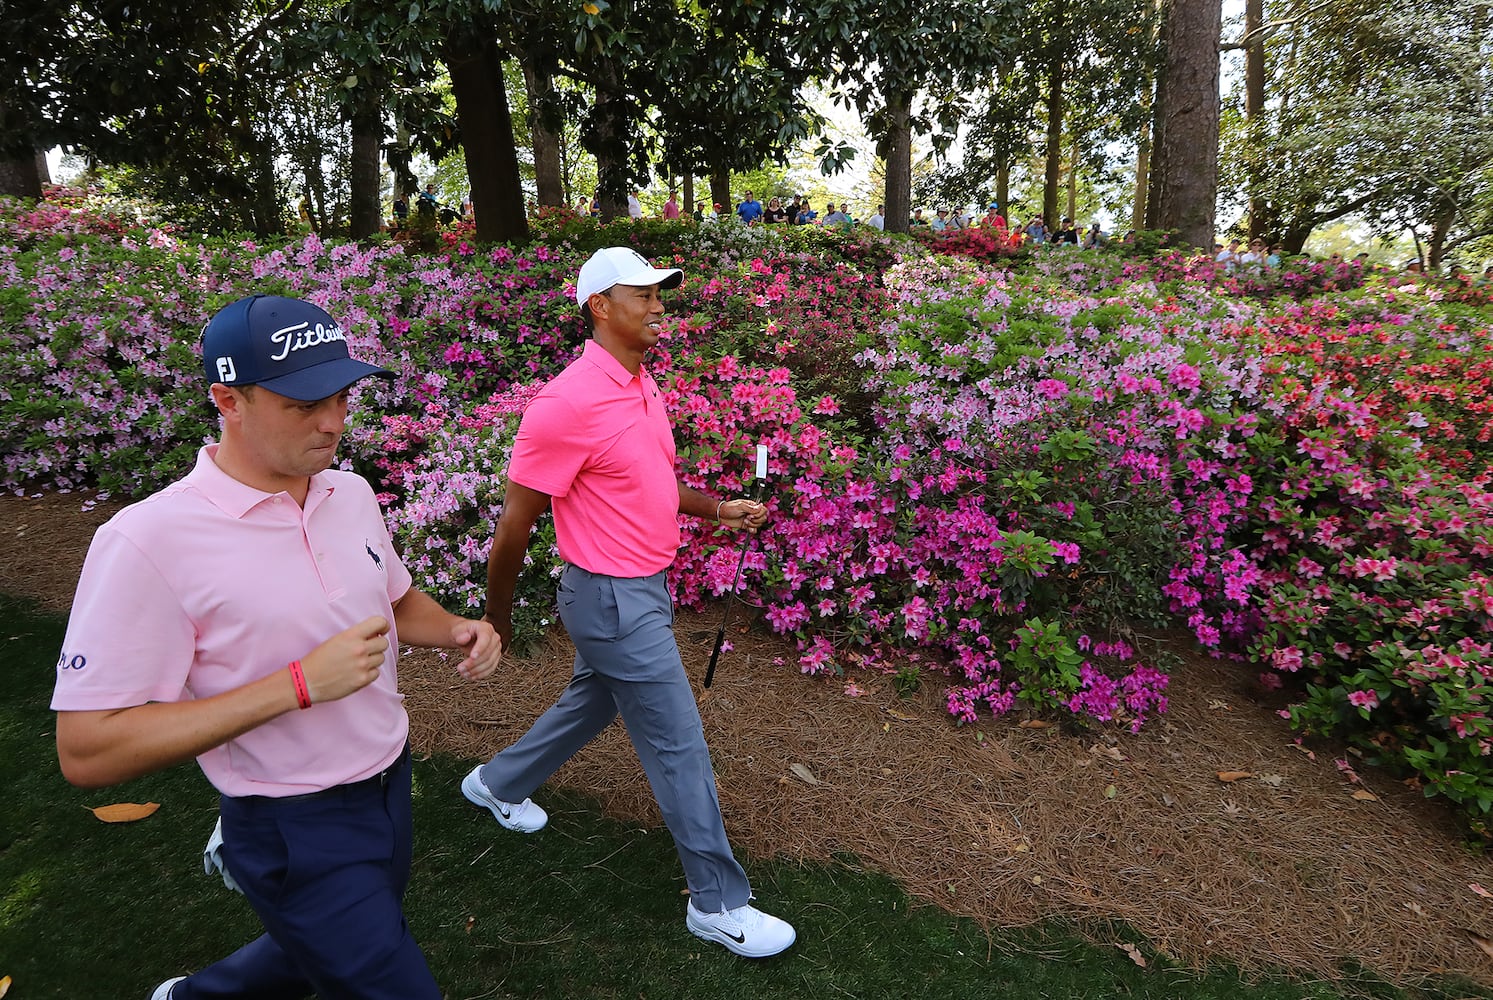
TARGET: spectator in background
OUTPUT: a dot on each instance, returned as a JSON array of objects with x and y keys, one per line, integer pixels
[
  {"x": 836, "y": 216},
  {"x": 878, "y": 221},
  {"x": 1094, "y": 238},
  {"x": 750, "y": 210},
  {"x": 428, "y": 202},
  {"x": 1036, "y": 230},
  {"x": 1229, "y": 257},
  {"x": 993, "y": 218},
  {"x": 699, "y": 212},
  {"x": 774, "y": 213},
  {"x": 401, "y": 210},
  {"x": 1068, "y": 232},
  {"x": 634, "y": 206},
  {"x": 806, "y": 213},
  {"x": 941, "y": 222},
  {"x": 917, "y": 221},
  {"x": 791, "y": 211},
  {"x": 1274, "y": 257},
  {"x": 671, "y": 207},
  {"x": 1253, "y": 259}
]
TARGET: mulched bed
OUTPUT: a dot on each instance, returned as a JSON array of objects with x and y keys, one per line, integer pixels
[{"x": 1009, "y": 825}]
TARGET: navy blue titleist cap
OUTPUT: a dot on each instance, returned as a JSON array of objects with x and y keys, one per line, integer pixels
[{"x": 289, "y": 346}]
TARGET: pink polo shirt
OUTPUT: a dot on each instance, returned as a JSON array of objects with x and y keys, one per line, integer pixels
[
  {"x": 597, "y": 440},
  {"x": 210, "y": 584}
]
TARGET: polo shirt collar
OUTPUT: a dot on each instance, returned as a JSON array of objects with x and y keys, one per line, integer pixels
[
  {"x": 233, "y": 497},
  {"x": 602, "y": 358}
]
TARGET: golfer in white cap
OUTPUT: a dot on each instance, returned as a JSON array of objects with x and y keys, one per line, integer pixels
[{"x": 596, "y": 446}]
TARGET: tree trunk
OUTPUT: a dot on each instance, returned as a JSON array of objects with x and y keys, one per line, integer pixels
[
  {"x": 1187, "y": 147},
  {"x": 720, "y": 189},
  {"x": 20, "y": 177},
  {"x": 487, "y": 136},
  {"x": 1003, "y": 191},
  {"x": 1254, "y": 110},
  {"x": 22, "y": 165},
  {"x": 1073, "y": 182},
  {"x": 1446, "y": 214},
  {"x": 688, "y": 205},
  {"x": 365, "y": 214},
  {"x": 550, "y": 186},
  {"x": 609, "y": 129},
  {"x": 898, "y": 148},
  {"x": 1158, "y": 153},
  {"x": 1054, "y": 150},
  {"x": 1142, "y": 168}
]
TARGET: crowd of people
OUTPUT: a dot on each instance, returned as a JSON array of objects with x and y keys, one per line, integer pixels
[{"x": 428, "y": 205}]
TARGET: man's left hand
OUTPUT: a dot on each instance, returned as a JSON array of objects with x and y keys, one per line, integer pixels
[{"x": 481, "y": 644}]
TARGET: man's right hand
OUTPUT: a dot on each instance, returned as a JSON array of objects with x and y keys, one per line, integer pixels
[{"x": 349, "y": 661}]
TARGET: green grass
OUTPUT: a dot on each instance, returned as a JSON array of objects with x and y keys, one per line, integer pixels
[{"x": 588, "y": 908}]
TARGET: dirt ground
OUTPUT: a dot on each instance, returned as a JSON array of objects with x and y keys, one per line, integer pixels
[{"x": 1283, "y": 868}]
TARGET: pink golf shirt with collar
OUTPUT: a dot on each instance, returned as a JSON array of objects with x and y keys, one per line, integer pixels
[
  {"x": 211, "y": 584},
  {"x": 597, "y": 440}
]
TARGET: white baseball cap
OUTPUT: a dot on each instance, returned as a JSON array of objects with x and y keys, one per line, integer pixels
[{"x": 621, "y": 266}]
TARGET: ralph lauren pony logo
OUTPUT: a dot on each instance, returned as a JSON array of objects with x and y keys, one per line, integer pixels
[{"x": 377, "y": 560}]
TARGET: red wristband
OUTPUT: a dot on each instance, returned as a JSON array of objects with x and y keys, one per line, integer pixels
[{"x": 298, "y": 678}]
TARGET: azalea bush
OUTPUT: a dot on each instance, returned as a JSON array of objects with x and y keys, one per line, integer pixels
[{"x": 988, "y": 475}]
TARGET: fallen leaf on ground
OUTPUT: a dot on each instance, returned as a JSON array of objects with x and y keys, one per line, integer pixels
[
  {"x": 1134, "y": 953},
  {"x": 1231, "y": 809},
  {"x": 1111, "y": 792},
  {"x": 802, "y": 773},
  {"x": 1273, "y": 780},
  {"x": 1363, "y": 795},
  {"x": 1416, "y": 909},
  {"x": 1113, "y": 753},
  {"x": 1480, "y": 890},
  {"x": 1234, "y": 775},
  {"x": 1219, "y": 706},
  {"x": 125, "y": 812},
  {"x": 1167, "y": 799},
  {"x": 1309, "y": 754},
  {"x": 901, "y": 716},
  {"x": 1481, "y": 942},
  {"x": 1033, "y": 724}
]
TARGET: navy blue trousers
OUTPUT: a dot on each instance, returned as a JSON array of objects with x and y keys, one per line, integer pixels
[{"x": 326, "y": 875}]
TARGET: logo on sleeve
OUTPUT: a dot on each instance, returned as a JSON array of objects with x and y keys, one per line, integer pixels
[
  {"x": 76, "y": 662},
  {"x": 377, "y": 560}
]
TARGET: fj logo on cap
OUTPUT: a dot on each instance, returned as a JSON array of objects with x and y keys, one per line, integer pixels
[
  {"x": 226, "y": 371},
  {"x": 304, "y": 335}
]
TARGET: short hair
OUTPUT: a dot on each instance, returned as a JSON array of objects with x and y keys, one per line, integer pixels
[{"x": 586, "y": 317}]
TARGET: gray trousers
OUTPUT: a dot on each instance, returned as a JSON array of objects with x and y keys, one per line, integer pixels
[{"x": 627, "y": 662}]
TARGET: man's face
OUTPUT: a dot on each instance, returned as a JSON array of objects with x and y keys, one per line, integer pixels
[
  {"x": 631, "y": 315},
  {"x": 286, "y": 439}
]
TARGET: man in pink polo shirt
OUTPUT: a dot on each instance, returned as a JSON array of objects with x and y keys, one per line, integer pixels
[
  {"x": 595, "y": 444},
  {"x": 250, "y": 616}
]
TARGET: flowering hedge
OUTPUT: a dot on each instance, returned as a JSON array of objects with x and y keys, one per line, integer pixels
[{"x": 978, "y": 475}]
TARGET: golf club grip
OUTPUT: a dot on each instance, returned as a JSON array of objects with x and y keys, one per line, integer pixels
[{"x": 715, "y": 654}]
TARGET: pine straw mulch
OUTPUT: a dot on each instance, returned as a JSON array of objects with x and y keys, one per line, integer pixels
[{"x": 1009, "y": 825}]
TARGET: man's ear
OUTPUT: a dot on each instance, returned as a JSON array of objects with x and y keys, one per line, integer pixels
[
  {"x": 225, "y": 399},
  {"x": 599, "y": 304}
]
